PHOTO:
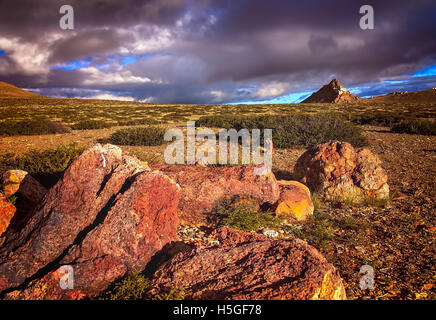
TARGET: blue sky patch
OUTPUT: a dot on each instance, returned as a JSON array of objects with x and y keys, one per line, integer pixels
[
  {"x": 75, "y": 64},
  {"x": 128, "y": 60},
  {"x": 426, "y": 72}
]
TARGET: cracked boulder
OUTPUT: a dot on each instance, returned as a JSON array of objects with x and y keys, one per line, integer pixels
[
  {"x": 105, "y": 219},
  {"x": 338, "y": 172},
  {"x": 203, "y": 188},
  {"x": 250, "y": 266}
]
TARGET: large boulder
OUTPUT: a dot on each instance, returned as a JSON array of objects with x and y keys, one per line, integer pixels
[
  {"x": 7, "y": 212},
  {"x": 294, "y": 202},
  {"x": 106, "y": 218},
  {"x": 203, "y": 188},
  {"x": 250, "y": 266},
  {"x": 338, "y": 172}
]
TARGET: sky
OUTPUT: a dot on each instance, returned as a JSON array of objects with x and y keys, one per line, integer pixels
[{"x": 210, "y": 51}]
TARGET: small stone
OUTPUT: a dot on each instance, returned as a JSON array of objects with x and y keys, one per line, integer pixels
[{"x": 270, "y": 233}]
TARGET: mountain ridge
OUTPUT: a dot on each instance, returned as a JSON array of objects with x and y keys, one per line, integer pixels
[{"x": 333, "y": 92}]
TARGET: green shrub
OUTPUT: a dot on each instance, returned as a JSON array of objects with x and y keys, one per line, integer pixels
[
  {"x": 246, "y": 217},
  {"x": 173, "y": 294},
  {"x": 92, "y": 124},
  {"x": 46, "y": 166},
  {"x": 147, "y": 136},
  {"x": 318, "y": 230},
  {"x": 137, "y": 287},
  {"x": 415, "y": 126},
  {"x": 32, "y": 127},
  {"x": 292, "y": 131},
  {"x": 385, "y": 119},
  {"x": 133, "y": 287},
  {"x": 136, "y": 122}
]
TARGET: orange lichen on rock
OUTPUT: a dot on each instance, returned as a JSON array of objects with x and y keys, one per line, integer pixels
[
  {"x": 294, "y": 201},
  {"x": 7, "y": 211}
]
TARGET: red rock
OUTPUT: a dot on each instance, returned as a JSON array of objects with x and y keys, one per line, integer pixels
[
  {"x": 7, "y": 211},
  {"x": 203, "y": 188},
  {"x": 229, "y": 236},
  {"x": 106, "y": 217},
  {"x": 248, "y": 266},
  {"x": 338, "y": 172}
]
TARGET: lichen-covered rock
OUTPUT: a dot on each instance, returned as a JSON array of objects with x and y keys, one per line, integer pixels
[
  {"x": 250, "y": 266},
  {"x": 294, "y": 201},
  {"x": 203, "y": 188},
  {"x": 106, "y": 218},
  {"x": 339, "y": 172},
  {"x": 7, "y": 211},
  {"x": 21, "y": 183}
]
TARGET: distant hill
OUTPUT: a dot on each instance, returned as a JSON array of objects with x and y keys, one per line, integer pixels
[
  {"x": 334, "y": 92},
  {"x": 8, "y": 90},
  {"x": 425, "y": 96}
]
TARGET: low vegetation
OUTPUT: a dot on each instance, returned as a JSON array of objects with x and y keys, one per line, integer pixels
[
  {"x": 320, "y": 229},
  {"x": 425, "y": 127},
  {"x": 73, "y": 111},
  {"x": 133, "y": 287},
  {"x": 317, "y": 230},
  {"x": 292, "y": 131},
  {"x": 92, "y": 124},
  {"x": 31, "y": 127},
  {"x": 46, "y": 166},
  {"x": 141, "y": 136},
  {"x": 136, "y": 122},
  {"x": 376, "y": 118},
  {"x": 246, "y": 217},
  {"x": 137, "y": 287}
]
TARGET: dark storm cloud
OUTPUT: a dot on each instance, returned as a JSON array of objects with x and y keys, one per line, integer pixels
[
  {"x": 319, "y": 44},
  {"x": 84, "y": 44},
  {"x": 276, "y": 35},
  {"x": 214, "y": 51},
  {"x": 28, "y": 18}
]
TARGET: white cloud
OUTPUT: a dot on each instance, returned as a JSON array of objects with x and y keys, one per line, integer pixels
[
  {"x": 28, "y": 58},
  {"x": 146, "y": 39},
  {"x": 109, "y": 96},
  {"x": 96, "y": 77},
  {"x": 217, "y": 95},
  {"x": 271, "y": 89}
]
